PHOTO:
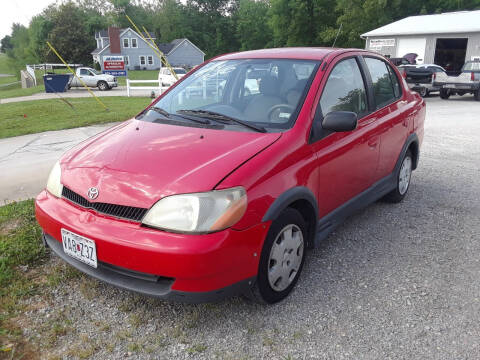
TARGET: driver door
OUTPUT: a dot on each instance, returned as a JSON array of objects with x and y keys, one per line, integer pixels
[{"x": 346, "y": 161}]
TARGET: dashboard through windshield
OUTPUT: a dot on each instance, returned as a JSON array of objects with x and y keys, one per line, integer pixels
[{"x": 264, "y": 93}]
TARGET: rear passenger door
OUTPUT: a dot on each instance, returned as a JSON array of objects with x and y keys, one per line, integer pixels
[
  {"x": 389, "y": 112},
  {"x": 347, "y": 161}
]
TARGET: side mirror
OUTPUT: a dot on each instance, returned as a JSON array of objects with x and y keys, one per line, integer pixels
[{"x": 339, "y": 121}]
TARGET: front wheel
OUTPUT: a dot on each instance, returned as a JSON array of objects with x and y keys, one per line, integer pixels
[
  {"x": 444, "y": 94},
  {"x": 102, "y": 86},
  {"x": 403, "y": 180},
  {"x": 282, "y": 258}
]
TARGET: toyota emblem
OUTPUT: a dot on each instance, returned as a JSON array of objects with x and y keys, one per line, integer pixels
[{"x": 92, "y": 193}]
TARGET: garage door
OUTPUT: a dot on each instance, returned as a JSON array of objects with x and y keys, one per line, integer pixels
[{"x": 413, "y": 45}]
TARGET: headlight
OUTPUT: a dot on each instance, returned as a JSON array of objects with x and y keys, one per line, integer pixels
[
  {"x": 198, "y": 212},
  {"x": 54, "y": 186}
]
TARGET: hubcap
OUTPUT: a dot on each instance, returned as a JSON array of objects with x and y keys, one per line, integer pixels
[
  {"x": 285, "y": 257},
  {"x": 404, "y": 176}
]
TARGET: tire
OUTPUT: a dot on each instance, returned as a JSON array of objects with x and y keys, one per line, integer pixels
[
  {"x": 444, "y": 94},
  {"x": 476, "y": 95},
  {"x": 403, "y": 180},
  {"x": 273, "y": 286},
  {"x": 424, "y": 92},
  {"x": 102, "y": 85}
]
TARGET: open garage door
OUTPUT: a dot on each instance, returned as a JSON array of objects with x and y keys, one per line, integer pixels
[
  {"x": 413, "y": 45},
  {"x": 450, "y": 54}
]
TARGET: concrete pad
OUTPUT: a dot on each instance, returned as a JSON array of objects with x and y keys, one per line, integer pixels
[{"x": 26, "y": 161}]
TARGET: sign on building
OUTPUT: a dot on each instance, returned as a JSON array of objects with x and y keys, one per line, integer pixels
[
  {"x": 381, "y": 43},
  {"x": 114, "y": 65}
]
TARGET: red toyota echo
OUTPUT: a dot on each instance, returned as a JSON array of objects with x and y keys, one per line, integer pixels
[{"x": 223, "y": 183}]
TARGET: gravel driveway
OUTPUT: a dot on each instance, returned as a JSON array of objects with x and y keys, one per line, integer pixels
[{"x": 394, "y": 282}]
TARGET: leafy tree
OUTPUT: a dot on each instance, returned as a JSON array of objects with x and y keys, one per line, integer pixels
[
  {"x": 6, "y": 44},
  {"x": 69, "y": 35},
  {"x": 252, "y": 30}
]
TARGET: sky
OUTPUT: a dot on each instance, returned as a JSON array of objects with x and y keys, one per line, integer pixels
[{"x": 19, "y": 11}]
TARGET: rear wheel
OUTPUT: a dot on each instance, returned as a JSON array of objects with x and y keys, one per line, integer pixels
[
  {"x": 476, "y": 95},
  {"x": 444, "y": 93},
  {"x": 423, "y": 92},
  {"x": 403, "y": 180},
  {"x": 282, "y": 258}
]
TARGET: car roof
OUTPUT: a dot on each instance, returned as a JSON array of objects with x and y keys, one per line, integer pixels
[{"x": 306, "y": 53}]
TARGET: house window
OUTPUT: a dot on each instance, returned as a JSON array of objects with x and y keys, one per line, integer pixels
[
  {"x": 142, "y": 60},
  {"x": 150, "y": 59},
  {"x": 126, "y": 60},
  {"x": 134, "y": 42},
  {"x": 126, "y": 43}
]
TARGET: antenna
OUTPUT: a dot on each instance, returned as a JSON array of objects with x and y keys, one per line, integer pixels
[{"x": 338, "y": 32}]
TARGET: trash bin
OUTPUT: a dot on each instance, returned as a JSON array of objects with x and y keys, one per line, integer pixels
[{"x": 56, "y": 82}]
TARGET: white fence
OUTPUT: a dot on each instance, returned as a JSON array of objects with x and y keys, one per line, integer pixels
[
  {"x": 31, "y": 72},
  {"x": 50, "y": 66},
  {"x": 158, "y": 88}
]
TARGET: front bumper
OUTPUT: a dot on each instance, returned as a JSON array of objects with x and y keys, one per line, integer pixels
[
  {"x": 112, "y": 84},
  {"x": 191, "y": 268}
]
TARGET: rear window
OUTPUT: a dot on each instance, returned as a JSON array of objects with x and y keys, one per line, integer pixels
[
  {"x": 472, "y": 66},
  {"x": 385, "y": 91}
]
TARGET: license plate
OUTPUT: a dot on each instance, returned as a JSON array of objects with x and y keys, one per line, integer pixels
[
  {"x": 449, "y": 86},
  {"x": 79, "y": 247}
]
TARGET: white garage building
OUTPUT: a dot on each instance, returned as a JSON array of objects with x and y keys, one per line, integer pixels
[{"x": 447, "y": 39}]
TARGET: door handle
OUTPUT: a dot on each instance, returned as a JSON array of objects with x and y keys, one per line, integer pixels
[{"x": 372, "y": 143}]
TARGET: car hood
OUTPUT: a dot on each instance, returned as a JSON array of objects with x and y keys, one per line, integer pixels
[{"x": 137, "y": 163}]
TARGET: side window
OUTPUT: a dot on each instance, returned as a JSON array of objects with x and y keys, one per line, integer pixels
[
  {"x": 383, "y": 88},
  {"x": 345, "y": 89},
  {"x": 85, "y": 72},
  {"x": 397, "y": 90}
]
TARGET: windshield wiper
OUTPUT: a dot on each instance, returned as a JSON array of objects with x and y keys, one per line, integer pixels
[
  {"x": 222, "y": 118},
  {"x": 184, "y": 114},
  {"x": 160, "y": 111}
]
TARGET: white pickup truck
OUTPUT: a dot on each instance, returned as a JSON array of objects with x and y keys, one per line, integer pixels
[
  {"x": 166, "y": 78},
  {"x": 467, "y": 82},
  {"x": 93, "y": 78}
]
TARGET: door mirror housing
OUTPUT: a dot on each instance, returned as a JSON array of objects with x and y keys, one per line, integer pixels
[{"x": 340, "y": 121}]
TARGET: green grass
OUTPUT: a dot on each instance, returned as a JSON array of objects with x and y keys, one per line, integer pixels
[
  {"x": 7, "y": 80},
  {"x": 20, "y": 246},
  {"x": 16, "y": 91},
  {"x": 42, "y": 115},
  {"x": 139, "y": 75},
  {"x": 4, "y": 68}
]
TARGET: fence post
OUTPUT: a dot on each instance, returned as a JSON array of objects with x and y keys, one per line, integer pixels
[{"x": 128, "y": 88}]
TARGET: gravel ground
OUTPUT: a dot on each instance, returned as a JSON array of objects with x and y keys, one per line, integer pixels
[{"x": 394, "y": 282}]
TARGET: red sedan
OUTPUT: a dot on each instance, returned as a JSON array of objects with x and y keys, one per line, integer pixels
[{"x": 222, "y": 184}]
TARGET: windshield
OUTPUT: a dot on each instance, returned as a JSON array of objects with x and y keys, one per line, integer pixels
[
  {"x": 472, "y": 66},
  {"x": 95, "y": 72},
  {"x": 179, "y": 71},
  {"x": 266, "y": 93}
]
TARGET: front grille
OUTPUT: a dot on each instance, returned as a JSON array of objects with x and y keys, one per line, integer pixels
[{"x": 119, "y": 211}]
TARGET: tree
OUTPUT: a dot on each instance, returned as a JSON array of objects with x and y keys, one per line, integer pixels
[
  {"x": 6, "y": 44},
  {"x": 302, "y": 22},
  {"x": 70, "y": 36},
  {"x": 252, "y": 30}
]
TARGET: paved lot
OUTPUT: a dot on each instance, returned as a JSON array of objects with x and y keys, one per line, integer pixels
[
  {"x": 394, "y": 282},
  {"x": 25, "y": 161}
]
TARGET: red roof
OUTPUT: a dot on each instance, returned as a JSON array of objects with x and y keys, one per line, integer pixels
[{"x": 308, "y": 53}]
